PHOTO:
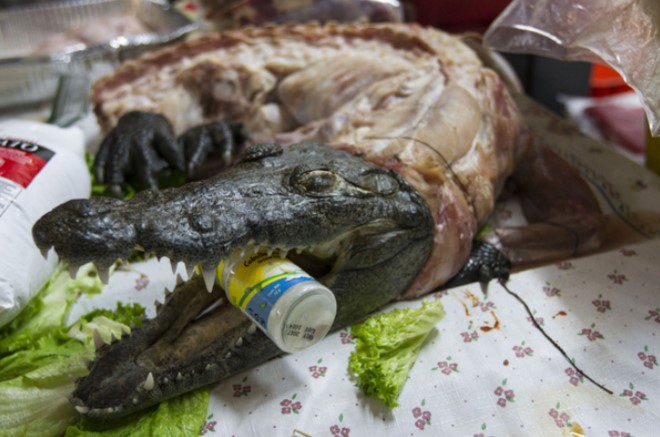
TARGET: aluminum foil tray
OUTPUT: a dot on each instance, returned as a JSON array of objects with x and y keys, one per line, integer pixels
[{"x": 39, "y": 44}]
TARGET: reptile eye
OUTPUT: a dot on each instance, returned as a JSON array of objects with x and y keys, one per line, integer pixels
[{"x": 318, "y": 181}]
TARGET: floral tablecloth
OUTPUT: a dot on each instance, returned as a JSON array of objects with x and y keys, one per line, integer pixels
[{"x": 486, "y": 370}]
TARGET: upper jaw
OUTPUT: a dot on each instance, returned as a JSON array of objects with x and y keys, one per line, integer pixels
[{"x": 276, "y": 201}]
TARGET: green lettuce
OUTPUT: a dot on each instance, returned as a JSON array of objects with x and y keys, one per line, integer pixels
[
  {"x": 38, "y": 360},
  {"x": 41, "y": 357},
  {"x": 386, "y": 347},
  {"x": 181, "y": 416}
]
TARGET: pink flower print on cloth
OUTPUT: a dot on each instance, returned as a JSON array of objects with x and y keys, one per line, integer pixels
[
  {"x": 636, "y": 397},
  {"x": 551, "y": 291},
  {"x": 574, "y": 376},
  {"x": 538, "y": 320},
  {"x": 338, "y": 430},
  {"x": 523, "y": 351},
  {"x": 601, "y": 304},
  {"x": 469, "y": 337},
  {"x": 318, "y": 371},
  {"x": 423, "y": 417},
  {"x": 141, "y": 282},
  {"x": 617, "y": 277},
  {"x": 290, "y": 405},
  {"x": 486, "y": 306},
  {"x": 648, "y": 359},
  {"x": 209, "y": 425},
  {"x": 345, "y": 337},
  {"x": 564, "y": 265},
  {"x": 446, "y": 366},
  {"x": 613, "y": 433},
  {"x": 561, "y": 418},
  {"x": 591, "y": 333},
  {"x": 241, "y": 389},
  {"x": 654, "y": 315},
  {"x": 504, "y": 394}
]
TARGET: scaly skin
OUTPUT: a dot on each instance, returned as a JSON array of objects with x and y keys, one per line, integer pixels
[{"x": 304, "y": 196}]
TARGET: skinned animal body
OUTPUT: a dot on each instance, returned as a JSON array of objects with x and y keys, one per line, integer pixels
[{"x": 378, "y": 151}]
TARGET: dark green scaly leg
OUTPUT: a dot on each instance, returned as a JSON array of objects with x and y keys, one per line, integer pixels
[{"x": 485, "y": 264}]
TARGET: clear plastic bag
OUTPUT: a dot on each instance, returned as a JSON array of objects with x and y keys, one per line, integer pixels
[
  {"x": 229, "y": 14},
  {"x": 624, "y": 34}
]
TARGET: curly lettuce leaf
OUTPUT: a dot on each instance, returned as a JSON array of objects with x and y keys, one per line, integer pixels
[
  {"x": 387, "y": 346},
  {"x": 40, "y": 361}
]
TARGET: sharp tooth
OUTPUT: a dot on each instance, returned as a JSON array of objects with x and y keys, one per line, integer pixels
[
  {"x": 299, "y": 250},
  {"x": 252, "y": 329},
  {"x": 228, "y": 355},
  {"x": 135, "y": 401},
  {"x": 82, "y": 409},
  {"x": 73, "y": 271},
  {"x": 190, "y": 270},
  {"x": 239, "y": 342},
  {"x": 179, "y": 376},
  {"x": 104, "y": 274},
  {"x": 98, "y": 341},
  {"x": 149, "y": 383},
  {"x": 44, "y": 252},
  {"x": 209, "y": 279}
]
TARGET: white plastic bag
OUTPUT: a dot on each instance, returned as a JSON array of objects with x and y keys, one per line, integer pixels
[
  {"x": 624, "y": 34},
  {"x": 41, "y": 166}
]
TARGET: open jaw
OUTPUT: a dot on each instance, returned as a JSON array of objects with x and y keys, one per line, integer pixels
[{"x": 358, "y": 228}]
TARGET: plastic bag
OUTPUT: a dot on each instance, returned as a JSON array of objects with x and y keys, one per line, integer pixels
[
  {"x": 624, "y": 34},
  {"x": 41, "y": 166},
  {"x": 229, "y": 14}
]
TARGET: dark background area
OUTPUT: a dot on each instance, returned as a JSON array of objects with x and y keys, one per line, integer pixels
[{"x": 542, "y": 78}]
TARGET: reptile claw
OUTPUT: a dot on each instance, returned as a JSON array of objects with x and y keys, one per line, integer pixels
[
  {"x": 141, "y": 145},
  {"x": 486, "y": 263}
]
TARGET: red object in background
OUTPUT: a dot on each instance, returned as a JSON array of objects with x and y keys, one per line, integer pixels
[
  {"x": 458, "y": 15},
  {"x": 605, "y": 81},
  {"x": 623, "y": 125},
  {"x": 19, "y": 166}
]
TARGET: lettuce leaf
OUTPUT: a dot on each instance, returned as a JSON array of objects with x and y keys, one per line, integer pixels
[
  {"x": 181, "y": 416},
  {"x": 40, "y": 361},
  {"x": 41, "y": 357},
  {"x": 387, "y": 346}
]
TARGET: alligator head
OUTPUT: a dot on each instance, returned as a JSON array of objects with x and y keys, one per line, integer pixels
[{"x": 360, "y": 229}]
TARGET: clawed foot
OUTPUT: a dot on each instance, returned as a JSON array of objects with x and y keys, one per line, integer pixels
[{"x": 143, "y": 144}]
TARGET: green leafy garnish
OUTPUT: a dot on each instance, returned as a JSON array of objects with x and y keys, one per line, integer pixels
[
  {"x": 41, "y": 357},
  {"x": 386, "y": 348}
]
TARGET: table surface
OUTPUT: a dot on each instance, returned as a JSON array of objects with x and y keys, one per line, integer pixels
[{"x": 486, "y": 370}]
